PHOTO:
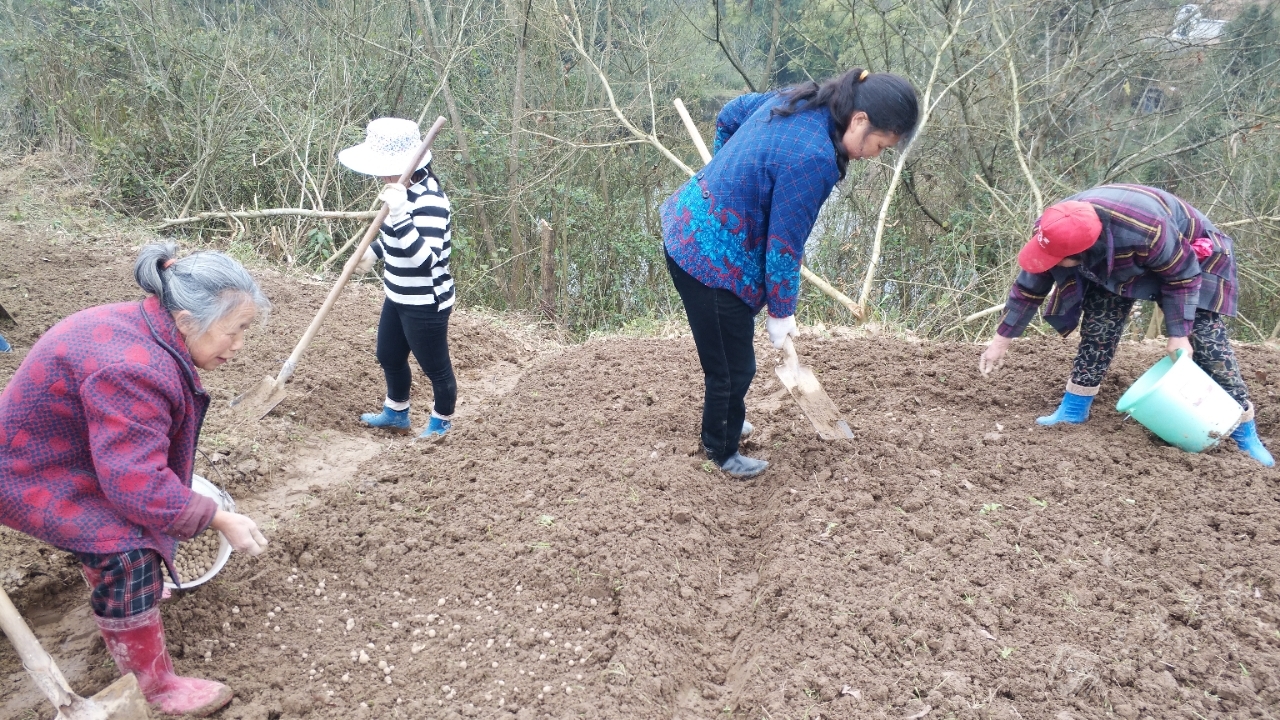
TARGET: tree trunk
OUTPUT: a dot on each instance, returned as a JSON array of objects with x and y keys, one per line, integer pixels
[
  {"x": 769, "y": 66},
  {"x": 516, "y": 288},
  {"x": 431, "y": 35}
]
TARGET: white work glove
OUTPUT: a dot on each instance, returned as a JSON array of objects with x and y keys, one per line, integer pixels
[
  {"x": 780, "y": 328},
  {"x": 992, "y": 358},
  {"x": 366, "y": 261},
  {"x": 241, "y": 531},
  {"x": 396, "y": 196}
]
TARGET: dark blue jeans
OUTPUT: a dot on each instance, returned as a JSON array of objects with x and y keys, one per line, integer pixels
[
  {"x": 424, "y": 331},
  {"x": 723, "y": 329}
]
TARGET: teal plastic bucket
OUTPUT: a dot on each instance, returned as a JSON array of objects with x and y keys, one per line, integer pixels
[{"x": 1181, "y": 404}]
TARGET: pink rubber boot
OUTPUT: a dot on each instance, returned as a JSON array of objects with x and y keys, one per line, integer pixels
[{"x": 137, "y": 645}]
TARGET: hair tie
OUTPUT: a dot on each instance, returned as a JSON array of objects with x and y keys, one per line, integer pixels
[
  {"x": 863, "y": 75},
  {"x": 168, "y": 263}
]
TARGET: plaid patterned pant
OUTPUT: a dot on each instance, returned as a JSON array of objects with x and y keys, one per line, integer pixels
[
  {"x": 123, "y": 584},
  {"x": 1102, "y": 325}
]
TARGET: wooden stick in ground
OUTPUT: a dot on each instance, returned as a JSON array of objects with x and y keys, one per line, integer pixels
[
  {"x": 37, "y": 662},
  {"x": 1156, "y": 324},
  {"x": 703, "y": 152},
  {"x": 548, "y": 269},
  {"x": 805, "y": 272}
]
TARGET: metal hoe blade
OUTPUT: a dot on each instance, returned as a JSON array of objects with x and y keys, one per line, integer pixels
[
  {"x": 260, "y": 400},
  {"x": 809, "y": 395},
  {"x": 121, "y": 700}
]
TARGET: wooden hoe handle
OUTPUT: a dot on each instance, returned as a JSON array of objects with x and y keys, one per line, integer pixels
[{"x": 34, "y": 658}]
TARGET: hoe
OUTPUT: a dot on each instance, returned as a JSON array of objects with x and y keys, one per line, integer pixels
[{"x": 121, "y": 700}]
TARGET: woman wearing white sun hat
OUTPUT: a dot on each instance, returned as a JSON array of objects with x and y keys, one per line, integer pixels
[{"x": 414, "y": 247}]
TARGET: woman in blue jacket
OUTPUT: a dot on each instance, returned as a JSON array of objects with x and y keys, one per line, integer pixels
[{"x": 735, "y": 233}]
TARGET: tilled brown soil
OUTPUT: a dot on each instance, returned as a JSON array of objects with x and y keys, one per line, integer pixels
[{"x": 566, "y": 552}]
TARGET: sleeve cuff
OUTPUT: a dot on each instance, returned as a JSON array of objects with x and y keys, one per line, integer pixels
[
  {"x": 1176, "y": 324},
  {"x": 194, "y": 518},
  {"x": 1009, "y": 331},
  {"x": 781, "y": 309}
]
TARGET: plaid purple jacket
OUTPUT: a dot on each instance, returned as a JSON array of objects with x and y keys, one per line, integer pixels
[
  {"x": 742, "y": 222},
  {"x": 1145, "y": 253},
  {"x": 98, "y": 432}
]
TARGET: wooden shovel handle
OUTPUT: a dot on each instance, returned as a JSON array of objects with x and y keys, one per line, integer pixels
[
  {"x": 34, "y": 658},
  {"x": 291, "y": 364},
  {"x": 693, "y": 131},
  {"x": 789, "y": 357}
]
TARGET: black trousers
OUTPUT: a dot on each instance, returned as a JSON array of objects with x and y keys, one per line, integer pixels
[
  {"x": 1104, "y": 315},
  {"x": 424, "y": 331},
  {"x": 723, "y": 329}
]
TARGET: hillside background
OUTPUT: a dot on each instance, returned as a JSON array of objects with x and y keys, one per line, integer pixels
[{"x": 183, "y": 107}]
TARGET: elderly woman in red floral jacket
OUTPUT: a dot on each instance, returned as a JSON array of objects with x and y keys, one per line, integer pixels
[{"x": 98, "y": 432}]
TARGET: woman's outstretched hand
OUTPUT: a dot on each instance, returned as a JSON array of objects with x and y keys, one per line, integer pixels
[
  {"x": 241, "y": 531},
  {"x": 992, "y": 358}
]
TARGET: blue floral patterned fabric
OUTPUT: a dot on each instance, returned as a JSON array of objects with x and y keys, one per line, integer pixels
[{"x": 741, "y": 223}]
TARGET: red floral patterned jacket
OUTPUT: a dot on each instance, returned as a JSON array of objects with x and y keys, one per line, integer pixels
[{"x": 98, "y": 432}]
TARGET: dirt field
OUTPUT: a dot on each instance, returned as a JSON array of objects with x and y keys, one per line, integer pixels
[{"x": 566, "y": 552}]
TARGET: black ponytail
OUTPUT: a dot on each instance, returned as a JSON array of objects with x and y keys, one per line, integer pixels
[{"x": 888, "y": 100}]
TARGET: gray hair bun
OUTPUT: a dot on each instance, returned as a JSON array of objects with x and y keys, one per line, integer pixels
[{"x": 207, "y": 284}]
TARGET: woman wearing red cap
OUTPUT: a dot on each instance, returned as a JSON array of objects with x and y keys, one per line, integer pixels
[{"x": 1101, "y": 250}]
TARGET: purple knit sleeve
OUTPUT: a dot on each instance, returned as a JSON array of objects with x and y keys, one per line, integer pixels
[
  {"x": 194, "y": 518},
  {"x": 1025, "y": 298}
]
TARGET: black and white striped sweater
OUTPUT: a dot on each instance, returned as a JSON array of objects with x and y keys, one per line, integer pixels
[{"x": 415, "y": 248}]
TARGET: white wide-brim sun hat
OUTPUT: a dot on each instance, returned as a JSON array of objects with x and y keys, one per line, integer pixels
[{"x": 388, "y": 147}]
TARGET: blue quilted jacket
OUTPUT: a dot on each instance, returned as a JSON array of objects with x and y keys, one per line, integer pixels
[{"x": 741, "y": 223}]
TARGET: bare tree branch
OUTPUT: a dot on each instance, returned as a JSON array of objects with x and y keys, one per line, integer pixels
[{"x": 271, "y": 212}]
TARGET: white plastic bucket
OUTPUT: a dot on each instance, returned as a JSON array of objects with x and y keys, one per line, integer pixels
[
  {"x": 1179, "y": 402},
  {"x": 218, "y": 495}
]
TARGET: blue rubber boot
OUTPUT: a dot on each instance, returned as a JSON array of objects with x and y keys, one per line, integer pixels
[
  {"x": 742, "y": 467},
  {"x": 4, "y": 345},
  {"x": 1246, "y": 437},
  {"x": 436, "y": 428},
  {"x": 1074, "y": 409},
  {"x": 746, "y": 429},
  {"x": 393, "y": 420}
]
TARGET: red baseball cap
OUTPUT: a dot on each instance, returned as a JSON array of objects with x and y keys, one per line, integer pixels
[{"x": 1065, "y": 229}]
